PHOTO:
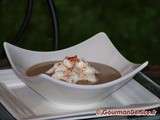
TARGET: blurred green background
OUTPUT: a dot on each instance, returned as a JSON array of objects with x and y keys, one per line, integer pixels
[{"x": 132, "y": 25}]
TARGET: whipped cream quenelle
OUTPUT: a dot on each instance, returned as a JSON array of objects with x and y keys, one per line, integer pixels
[{"x": 73, "y": 69}]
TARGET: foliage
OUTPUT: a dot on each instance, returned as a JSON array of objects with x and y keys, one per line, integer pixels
[{"x": 132, "y": 25}]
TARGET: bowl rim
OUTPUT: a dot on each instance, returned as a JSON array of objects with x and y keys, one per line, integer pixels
[{"x": 97, "y": 86}]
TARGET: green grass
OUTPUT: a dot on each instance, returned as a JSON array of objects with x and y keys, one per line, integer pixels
[{"x": 132, "y": 25}]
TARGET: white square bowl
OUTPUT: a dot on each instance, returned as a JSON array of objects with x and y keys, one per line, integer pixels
[{"x": 96, "y": 49}]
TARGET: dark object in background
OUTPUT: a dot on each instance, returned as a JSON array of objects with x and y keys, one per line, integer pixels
[
  {"x": 21, "y": 30},
  {"x": 153, "y": 70},
  {"x": 24, "y": 25},
  {"x": 55, "y": 23},
  {"x": 133, "y": 26},
  {"x": 4, "y": 63}
]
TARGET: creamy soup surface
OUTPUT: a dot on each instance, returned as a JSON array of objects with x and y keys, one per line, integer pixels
[{"x": 75, "y": 70}]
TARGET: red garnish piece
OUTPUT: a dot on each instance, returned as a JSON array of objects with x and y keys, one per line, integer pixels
[{"x": 73, "y": 58}]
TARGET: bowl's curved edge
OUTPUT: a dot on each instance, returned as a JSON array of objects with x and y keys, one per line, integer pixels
[
  {"x": 6, "y": 45},
  {"x": 88, "y": 41}
]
